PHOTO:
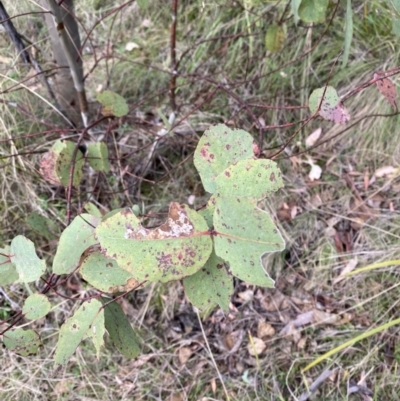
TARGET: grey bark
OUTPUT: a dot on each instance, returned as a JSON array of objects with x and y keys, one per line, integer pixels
[{"x": 66, "y": 92}]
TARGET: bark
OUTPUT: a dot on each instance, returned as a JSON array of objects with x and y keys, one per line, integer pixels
[{"x": 63, "y": 52}]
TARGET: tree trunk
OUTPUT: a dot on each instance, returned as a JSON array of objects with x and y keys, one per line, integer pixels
[{"x": 64, "y": 86}]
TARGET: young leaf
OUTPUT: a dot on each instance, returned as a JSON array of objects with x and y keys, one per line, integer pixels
[
  {"x": 249, "y": 178},
  {"x": 74, "y": 240},
  {"x": 8, "y": 272},
  {"x": 311, "y": 11},
  {"x": 176, "y": 249},
  {"x": 348, "y": 35},
  {"x": 23, "y": 342},
  {"x": 113, "y": 104},
  {"x": 120, "y": 330},
  {"x": 210, "y": 286},
  {"x": 36, "y": 306},
  {"x": 97, "y": 154},
  {"x": 275, "y": 38},
  {"x": 56, "y": 164},
  {"x": 218, "y": 148},
  {"x": 105, "y": 274},
  {"x": 331, "y": 108},
  {"x": 244, "y": 234},
  {"x": 29, "y": 267},
  {"x": 387, "y": 88},
  {"x": 87, "y": 321}
]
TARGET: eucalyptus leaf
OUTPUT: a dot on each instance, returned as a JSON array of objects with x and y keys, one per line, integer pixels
[
  {"x": 23, "y": 255},
  {"x": 210, "y": 286},
  {"x": 243, "y": 234},
  {"x": 120, "y": 330},
  {"x": 176, "y": 249},
  {"x": 87, "y": 322},
  {"x": 8, "y": 271},
  {"x": 36, "y": 306},
  {"x": 218, "y": 148},
  {"x": 23, "y": 342},
  {"x": 74, "y": 240}
]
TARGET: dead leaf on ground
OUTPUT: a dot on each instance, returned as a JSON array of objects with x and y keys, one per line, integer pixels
[
  {"x": 184, "y": 354},
  {"x": 264, "y": 329},
  {"x": 313, "y": 137},
  {"x": 385, "y": 171},
  {"x": 256, "y": 346},
  {"x": 350, "y": 266}
]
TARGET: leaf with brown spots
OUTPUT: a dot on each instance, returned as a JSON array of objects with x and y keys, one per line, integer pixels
[
  {"x": 210, "y": 286},
  {"x": 218, "y": 148},
  {"x": 243, "y": 235},
  {"x": 249, "y": 178},
  {"x": 387, "y": 88},
  {"x": 176, "y": 249}
]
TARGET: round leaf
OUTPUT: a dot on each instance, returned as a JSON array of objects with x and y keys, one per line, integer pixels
[
  {"x": 27, "y": 263},
  {"x": 250, "y": 178},
  {"x": 97, "y": 155},
  {"x": 36, "y": 306},
  {"x": 176, "y": 249},
  {"x": 105, "y": 274},
  {"x": 74, "y": 240},
  {"x": 8, "y": 272},
  {"x": 210, "y": 286},
  {"x": 313, "y": 10},
  {"x": 113, "y": 104},
  {"x": 23, "y": 342},
  {"x": 218, "y": 148},
  {"x": 243, "y": 235}
]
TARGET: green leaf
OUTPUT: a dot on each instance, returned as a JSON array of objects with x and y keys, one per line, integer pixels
[
  {"x": 41, "y": 225},
  {"x": 244, "y": 234},
  {"x": 208, "y": 212},
  {"x": 210, "y": 286},
  {"x": 295, "y": 10},
  {"x": 348, "y": 36},
  {"x": 74, "y": 240},
  {"x": 87, "y": 321},
  {"x": 331, "y": 107},
  {"x": 249, "y": 178},
  {"x": 313, "y": 10},
  {"x": 23, "y": 342},
  {"x": 176, "y": 249},
  {"x": 56, "y": 164},
  {"x": 396, "y": 27},
  {"x": 36, "y": 306},
  {"x": 29, "y": 267},
  {"x": 97, "y": 155},
  {"x": 113, "y": 104},
  {"x": 105, "y": 274},
  {"x": 275, "y": 38},
  {"x": 120, "y": 330},
  {"x": 218, "y": 148},
  {"x": 92, "y": 209},
  {"x": 8, "y": 271}
]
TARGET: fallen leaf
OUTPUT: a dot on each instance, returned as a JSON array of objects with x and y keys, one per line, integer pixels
[
  {"x": 315, "y": 172},
  {"x": 387, "y": 88},
  {"x": 247, "y": 295},
  {"x": 351, "y": 264},
  {"x": 184, "y": 354},
  {"x": 255, "y": 346},
  {"x": 264, "y": 329},
  {"x": 131, "y": 46},
  {"x": 313, "y": 138},
  {"x": 384, "y": 171}
]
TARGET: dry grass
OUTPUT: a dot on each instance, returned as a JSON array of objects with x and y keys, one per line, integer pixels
[{"x": 323, "y": 222}]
